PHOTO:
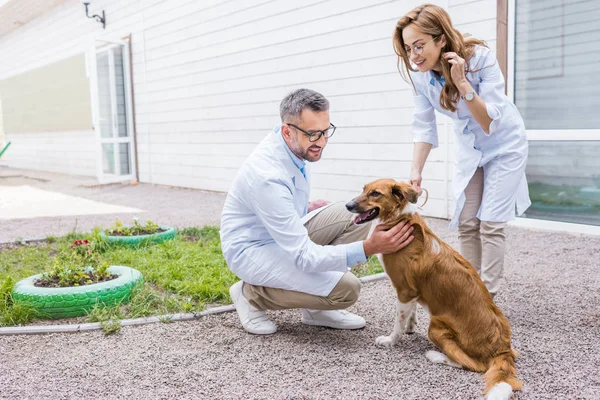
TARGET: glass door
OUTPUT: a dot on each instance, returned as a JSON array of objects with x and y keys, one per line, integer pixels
[{"x": 113, "y": 120}]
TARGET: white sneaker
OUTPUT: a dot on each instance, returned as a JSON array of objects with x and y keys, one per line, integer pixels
[
  {"x": 253, "y": 319},
  {"x": 338, "y": 319}
]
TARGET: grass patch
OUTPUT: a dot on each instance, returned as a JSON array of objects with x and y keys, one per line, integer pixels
[
  {"x": 110, "y": 326},
  {"x": 13, "y": 314},
  {"x": 371, "y": 267},
  {"x": 181, "y": 275}
]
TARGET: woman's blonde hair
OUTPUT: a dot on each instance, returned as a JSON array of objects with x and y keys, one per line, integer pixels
[{"x": 435, "y": 21}]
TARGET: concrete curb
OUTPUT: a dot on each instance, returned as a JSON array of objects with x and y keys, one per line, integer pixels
[
  {"x": 94, "y": 326},
  {"x": 24, "y": 241}
]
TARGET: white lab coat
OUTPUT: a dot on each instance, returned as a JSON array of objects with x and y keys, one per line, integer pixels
[
  {"x": 502, "y": 153},
  {"x": 263, "y": 237}
]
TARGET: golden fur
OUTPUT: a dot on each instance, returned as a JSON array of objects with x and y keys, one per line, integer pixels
[{"x": 465, "y": 322}]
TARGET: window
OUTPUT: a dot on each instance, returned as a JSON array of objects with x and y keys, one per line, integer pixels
[
  {"x": 557, "y": 63},
  {"x": 556, "y": 85},
  {"x": 564, "y": 181}
]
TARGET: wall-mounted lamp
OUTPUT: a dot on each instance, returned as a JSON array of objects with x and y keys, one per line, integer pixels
[{"x": 101, "y": 19}]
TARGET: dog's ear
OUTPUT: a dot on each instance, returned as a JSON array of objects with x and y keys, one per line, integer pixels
[{"x": 406, "y": 191}]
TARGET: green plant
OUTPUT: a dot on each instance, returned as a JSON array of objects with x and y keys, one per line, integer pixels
[
  {"x": 371, "y": 267},
  {"x": 18, "y": 314},
  {"x": 110, "y": 326},
  {"x": 165, "y": 319},
  {"x": 51, "y": 239},
  {"x": 205, "y": 234},
  {"x": 118, "y": 229},
  {"x": 81, "y": 265},
  {"x": 10, "y": 313},
  {"x": 5, "y": 290},
  {"x": 102, "y": 313}
]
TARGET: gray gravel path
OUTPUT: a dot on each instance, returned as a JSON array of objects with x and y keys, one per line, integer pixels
[{"x": 552, "y": 298}]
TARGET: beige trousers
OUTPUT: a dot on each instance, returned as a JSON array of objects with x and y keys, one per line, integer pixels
[
  {"x": 481, "y": 242},
  {"x": 331, "y": 226}
]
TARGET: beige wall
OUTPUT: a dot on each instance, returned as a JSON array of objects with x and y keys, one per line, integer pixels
[{"x": 51, "y": 98}]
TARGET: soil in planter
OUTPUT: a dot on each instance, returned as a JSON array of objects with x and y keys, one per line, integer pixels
[
  {"x": 53, "y": 282},
  {"x": 140, "y": 233}
]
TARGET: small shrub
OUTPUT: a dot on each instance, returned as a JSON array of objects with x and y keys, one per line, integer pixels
[
  {"x": 137, "y": 229},
  {"x": 80, "y": 265},
  {"x": 102, "y": 313},
  {"x": 111, "y": 326}
]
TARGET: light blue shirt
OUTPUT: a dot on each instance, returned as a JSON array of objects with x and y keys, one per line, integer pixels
[{"x": 262, "y": 236}]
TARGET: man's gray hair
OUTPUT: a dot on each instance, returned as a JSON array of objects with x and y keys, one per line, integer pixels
[{"x": 294, "y": 103}]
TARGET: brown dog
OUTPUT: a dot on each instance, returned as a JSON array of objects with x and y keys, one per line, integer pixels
[{"x": 465, "y": 322}]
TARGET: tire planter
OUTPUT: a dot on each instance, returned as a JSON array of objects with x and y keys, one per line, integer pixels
[
  {"x": 75, "y": 301},
  {"x": 133, "y": 241}
]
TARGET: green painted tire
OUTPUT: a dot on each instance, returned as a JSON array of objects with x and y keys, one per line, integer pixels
[
  {"x": 75, "y": 301},
  {"x": 133, "y": 241}
]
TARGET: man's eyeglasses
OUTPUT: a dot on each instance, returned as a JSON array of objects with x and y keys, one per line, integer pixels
[
  {"x": 418, "y": 49},
  {"x": 314, "y": 136}
]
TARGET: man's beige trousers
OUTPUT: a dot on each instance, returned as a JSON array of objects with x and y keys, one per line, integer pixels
[{"x": 331, "y": 226}]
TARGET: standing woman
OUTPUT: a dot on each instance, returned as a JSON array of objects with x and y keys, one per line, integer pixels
[{"x": 460, "y": 77}]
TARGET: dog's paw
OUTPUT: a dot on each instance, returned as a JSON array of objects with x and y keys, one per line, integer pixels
[
  {"x": 386, "y": 341},
  {"x": 502, "y": 391},
  {"x": 436, "y": 357},
  {"x": 440, "y": 358}
]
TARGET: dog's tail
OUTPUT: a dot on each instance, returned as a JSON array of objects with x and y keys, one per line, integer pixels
[{"x": 501, "y": 376}]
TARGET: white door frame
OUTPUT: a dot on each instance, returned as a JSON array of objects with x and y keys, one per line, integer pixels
[
  {"x": 106, "y": 46},
  {"x": 544, "y": 135}
]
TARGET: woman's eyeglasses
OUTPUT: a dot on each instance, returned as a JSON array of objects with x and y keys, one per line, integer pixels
[{"x": 418, "y": 49}]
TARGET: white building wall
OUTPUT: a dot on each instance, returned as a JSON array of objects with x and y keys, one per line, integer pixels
[
  {"x": 209, "y": 76},
  {"x": 62, "y": 32}
]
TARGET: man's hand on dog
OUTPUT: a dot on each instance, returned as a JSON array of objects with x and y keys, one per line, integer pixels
[{"x": 387, "y": 240}]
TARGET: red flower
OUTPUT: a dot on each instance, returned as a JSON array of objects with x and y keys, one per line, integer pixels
[{"x": 80, "y": 243}]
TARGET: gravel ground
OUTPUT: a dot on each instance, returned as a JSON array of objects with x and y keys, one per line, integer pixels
[{"x": 552, "y": 299}]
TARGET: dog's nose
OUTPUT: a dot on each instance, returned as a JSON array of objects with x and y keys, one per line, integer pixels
[{"x": 350, "y": 205}]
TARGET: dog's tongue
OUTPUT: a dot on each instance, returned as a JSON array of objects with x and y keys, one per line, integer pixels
[{"x": 360, "y": 217}]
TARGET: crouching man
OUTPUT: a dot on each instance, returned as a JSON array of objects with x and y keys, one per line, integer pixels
[{"x": 284, "y": 257}]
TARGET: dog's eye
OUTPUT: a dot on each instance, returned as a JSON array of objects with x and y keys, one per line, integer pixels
[{"x": 375, "y": 194}]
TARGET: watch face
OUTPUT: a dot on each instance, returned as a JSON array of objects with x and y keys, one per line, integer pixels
[{"x": 469, "y": 96}]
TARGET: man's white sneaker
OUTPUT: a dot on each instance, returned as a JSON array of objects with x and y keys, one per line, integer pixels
[
  {"x": 253, "y": 319},
  {"x": 338, "y": 319}
]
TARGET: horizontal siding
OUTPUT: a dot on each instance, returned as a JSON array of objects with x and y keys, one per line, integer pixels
[
  {"x": 205, "y": 81},
  {"x": 209, "y": 76},
  {"x": 71, "y": 152}
]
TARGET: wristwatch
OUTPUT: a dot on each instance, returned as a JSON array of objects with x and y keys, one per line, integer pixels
[{"x": 469, "y": 96}]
